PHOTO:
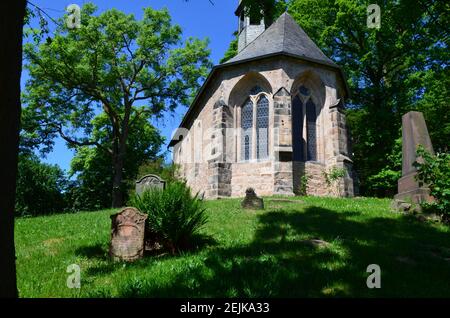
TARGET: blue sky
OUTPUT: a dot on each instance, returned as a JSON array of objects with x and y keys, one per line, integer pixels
[{"x": 197, "y": 18}]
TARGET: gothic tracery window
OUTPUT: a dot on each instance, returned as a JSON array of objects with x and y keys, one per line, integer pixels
[
  {"x": 297, "y": 129},
  {"x": 246, "y": 125},
  {"x": 255, "y": 122},
  {"x": 256, "y": 90},
  {"x": 303, "y": 105},
  {"x": 262, "y": 127},
  {"x": 311, "y": 139}
]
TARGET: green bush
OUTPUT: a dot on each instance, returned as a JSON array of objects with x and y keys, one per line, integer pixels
[
  {"x": 384, "y": 183},
  {"x": 303, "y": 186},
  {"x": 333, "y": 178},
  {"x": 434, "y": 171},
  {"x": 40, "y": 187},
  {"x": 174, "y": 214}
]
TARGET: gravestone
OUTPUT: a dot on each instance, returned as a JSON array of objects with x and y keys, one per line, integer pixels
[
  {"x": 148, "y": 182},
  {"x": 252, "y": 201},
  {"x": 414, "y": 133},
  {"x": 127, "y": 235}
]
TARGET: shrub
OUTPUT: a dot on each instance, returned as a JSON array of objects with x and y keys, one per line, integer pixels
[
  {"x": 434, "y": 171},
  {"x": 384, "y": 183},
  {"x": 333, "y": 179},
  {"x": 303, "y": 186},
  {"x": 40, "y": 187},
  {"x": 174, "y": 214}
]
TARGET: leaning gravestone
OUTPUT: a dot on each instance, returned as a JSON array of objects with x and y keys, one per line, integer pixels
[
  {"x": 252, "y": 201},
  {"x": 148, "y": 182},
  {"x": 127, "y": 235},
  {"x": 414, "y": 133}
]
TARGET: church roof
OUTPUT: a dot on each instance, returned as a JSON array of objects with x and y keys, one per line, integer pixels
[{"x": 284, "y": 36}]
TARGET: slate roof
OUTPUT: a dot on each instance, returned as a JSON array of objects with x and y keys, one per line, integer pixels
[{"x": 283, "y": 36}]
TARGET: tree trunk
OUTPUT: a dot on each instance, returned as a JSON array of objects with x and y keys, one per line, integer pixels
[
  {"x": 117, "y": 195},
  {"x": 11, "y": 25}
]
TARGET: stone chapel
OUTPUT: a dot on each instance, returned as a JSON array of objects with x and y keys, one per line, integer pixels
[{"x": 267, "y": 118}]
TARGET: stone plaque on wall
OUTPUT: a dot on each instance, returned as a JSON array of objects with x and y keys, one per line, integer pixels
[
  {"x": 127, "y": 235},
  {"x": 148, "y": 182}
]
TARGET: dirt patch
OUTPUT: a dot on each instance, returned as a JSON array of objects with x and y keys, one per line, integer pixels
[{"x": 53, "y": 241}]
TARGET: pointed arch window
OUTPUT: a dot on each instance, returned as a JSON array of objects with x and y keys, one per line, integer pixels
[
  {"x": 256, "y": 90},
  {"x": 311, "y": 137},
  {"x": 262, "y": 128},
  {"x": 297, "y": 129},
  {"x": 247, "y": 126},
  {"x": 304, "y": 126}
]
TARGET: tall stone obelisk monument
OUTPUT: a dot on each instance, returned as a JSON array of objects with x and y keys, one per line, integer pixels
[{"x": 414, "y": 133}]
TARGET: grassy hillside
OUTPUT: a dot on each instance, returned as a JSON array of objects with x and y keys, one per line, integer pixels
[{"x": 246, "y": 254}]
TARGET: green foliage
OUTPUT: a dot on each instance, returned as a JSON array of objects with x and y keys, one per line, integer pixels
[
  {"x": 383, "y": 66},
  {"x": 40, "y": 187},
  {"x": 94, "y": 85},
  {"x": 232, "y": 49},
  {"x": 256, "y": 9},
  {"x": 303, "y": 186},
  {"x": 263, "y": 254},
  {"x": 267, "y": 9},
  {"x": 168, "y": 172},
  {"x": 333, "y": 178},
  {"x": 93, "y": 169},
  {"x": 384, "y": 183},
  {"x": 434, "y": 172},
  {"x": 435, "y": 104},
  {"x": 174, "y": 214}
]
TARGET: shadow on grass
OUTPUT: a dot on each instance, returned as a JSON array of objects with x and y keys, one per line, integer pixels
[
  {"x": 98, "y": 251},
  {"x": 107, "y": 266},
  {"x": 277, "y": 263}
]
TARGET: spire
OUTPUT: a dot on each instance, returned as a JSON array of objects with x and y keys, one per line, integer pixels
[{"x": 248, "y": 29}]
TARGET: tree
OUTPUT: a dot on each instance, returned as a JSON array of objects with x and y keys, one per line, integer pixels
[
  {"x": 391, "y": 70},
  {"x": 92, "y": 166},
  {"x": 112, "y": 64},
  {"x": 40, "y": 187},
  {"x": 11, "y": 23}
]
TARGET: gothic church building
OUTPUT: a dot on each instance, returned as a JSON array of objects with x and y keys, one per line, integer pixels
[{"x": 269, "y": 118}]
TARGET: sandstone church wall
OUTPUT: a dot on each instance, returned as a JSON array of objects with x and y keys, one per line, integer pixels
[{"x": 213, "y": 166}]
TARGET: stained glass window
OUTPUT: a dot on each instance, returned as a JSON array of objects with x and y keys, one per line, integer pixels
[
  {"x": 246, "y": 125},
  {"x": 262, "y": 127},
  {"x": 304, "y": 91},
  {"x": 256, "y": 90},
  {"x": 297, "y": 129},
  {"x": 247, "y": 148},
  {"x": 311, "y": 117}
]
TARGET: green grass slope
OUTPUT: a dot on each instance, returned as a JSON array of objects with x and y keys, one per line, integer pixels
[{"x": 245, "y": 253}]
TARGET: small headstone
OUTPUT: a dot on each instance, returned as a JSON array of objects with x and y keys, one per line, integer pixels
[
  {"x": 148, "y": 182},
  {"x": 400, "y": 206},
  {"x": 127, "y": 235},
  {"x": 252, "y": 201},
  {"x": 414, "y": 133}
]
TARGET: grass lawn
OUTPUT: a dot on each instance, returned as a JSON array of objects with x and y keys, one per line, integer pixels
[{"x": 246, "y": 254}]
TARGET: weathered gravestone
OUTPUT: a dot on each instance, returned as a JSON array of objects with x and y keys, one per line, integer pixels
[
  {"x": 127, "y": 235},
  {"x": 148, "y": 182},
  {"x": 252, "y": 201},
  {"x": 414, "y": 133}
]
